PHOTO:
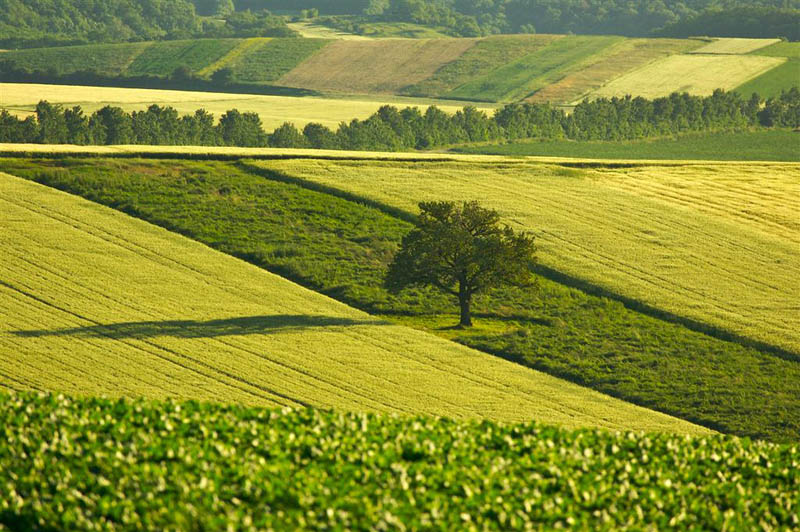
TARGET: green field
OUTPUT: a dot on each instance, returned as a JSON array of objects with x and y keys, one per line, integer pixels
[
  {"x": 521, "y": 78},
  {"x": 762, "y": 145},
  {"x": 487, "y": 55},
  {"x": 653, "y": 249},
  {"x": 99, "y": 303},
  {"x": 273, "y": 59},
  {"x": 341, "y": 248},
  {"x": 162, "y": 58},
  {"x": 784, "y": 77},
  {"x": 109, "y": 59},
  {"x": 71, "y": 464}
]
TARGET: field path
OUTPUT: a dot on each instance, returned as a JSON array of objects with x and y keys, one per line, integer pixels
[{"x": 97, "y": 302}]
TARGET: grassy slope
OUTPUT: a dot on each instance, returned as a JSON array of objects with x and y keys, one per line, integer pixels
[
  {"x": 341, "y": 248},
  {"x": 761, "y": 145},
  {"x": 220, "y": 467},
  {"x": 101, "y": 303},
  {"x": 487, "y": 55},
  {"x": 519, "y": 79},
  {"x": 274, "y": 58},
  {"x": 778, "y": 79},
  {"x": 162, "y": 58},
  {"x": 111, "y": 59},
  {"x": 641, "y": 232}
]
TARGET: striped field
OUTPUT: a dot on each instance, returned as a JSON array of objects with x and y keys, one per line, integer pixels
[
  {"x": 99, "y": 303},
  {"x": 717, "y": 243}
]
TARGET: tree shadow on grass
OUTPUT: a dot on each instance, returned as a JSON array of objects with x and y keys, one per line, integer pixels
[{"x": 203, "y": 329}]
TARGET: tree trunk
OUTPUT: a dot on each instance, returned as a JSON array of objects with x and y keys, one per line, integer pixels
[{"x": 466, "y": 317}]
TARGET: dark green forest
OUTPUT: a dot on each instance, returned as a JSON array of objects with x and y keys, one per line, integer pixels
[
  {"x": 392, "y": 129},
  {"x": 32, "y": 23},
  {"x": 470, "y": 18}
]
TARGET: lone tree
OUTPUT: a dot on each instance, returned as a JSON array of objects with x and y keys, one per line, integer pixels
[{"x": 461, "y": 250}]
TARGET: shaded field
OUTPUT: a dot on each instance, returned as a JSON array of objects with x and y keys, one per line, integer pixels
[
  {"x": 272, "y": 59},
  {"x": 101, "y": 303},
  {"x": 163, "y": 58},
  {"x": 696, "y": 74},
  {"x": 110, "y": 59},
  {"x": 379, "y": 66},
  {"x": 624, "y": 57},
  {"x": 487, "y": 55},
  {"x": 781, "y": 78},
  {"x": 246, "y": 469},
  {"x": 342, "y": 248},
  {"x": 710, "y": 242},
  {"x": 762, "y": 145},
  {"x": 734, "y": 45},
  {"x": 521, "y": 78},
  {"x": 21, "y": 99},
  {"x": 781, "y": 49}
]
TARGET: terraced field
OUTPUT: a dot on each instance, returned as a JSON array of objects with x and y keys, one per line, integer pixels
[
  {"x": 715, "y": 243},
  {"x": 21, "y": 99},
  {"x": 695, "y": 74},
  {"x": 379, "y": 66},
  {"x": 99, "y": 303}
]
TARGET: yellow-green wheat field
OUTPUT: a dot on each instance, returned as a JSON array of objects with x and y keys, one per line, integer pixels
[
  {"x": 98, "y": 303},
  {"x": 714, "y": 242}
]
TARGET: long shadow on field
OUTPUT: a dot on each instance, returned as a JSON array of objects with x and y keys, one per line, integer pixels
[{"x": 202, "y": 329}]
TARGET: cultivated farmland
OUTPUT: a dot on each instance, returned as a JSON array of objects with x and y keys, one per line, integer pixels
[
  {"x": 21, "y": 99},
  {"x": 271, "y": 59},
  {"x": 781, "y": 78},
  {"x": 162, "y": 58},
  {"x": 624, "y": 57},
  {"x": 716, "y": 243},
  {"x": 696, "y": 74},
  {"x": 379, "y": 66},
  {"x": 487, "y": 55},
  {"x": 100, "y": 303},
  {"x": 109, "y": 59},
  {"x": 222, "y": 467},
  {"x": 521, "y": 78},
  {"x": 733, "y": 45}
]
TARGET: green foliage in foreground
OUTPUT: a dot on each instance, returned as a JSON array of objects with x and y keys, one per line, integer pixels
[
  {"x": 342, "y": 249},
  {"x": 758, "y": 145},
  {"x": 133, "y": 464}
]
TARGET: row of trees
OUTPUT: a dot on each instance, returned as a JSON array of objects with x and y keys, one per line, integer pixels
[
  {"x": 756, "y": 18},
  {"x": 393, "y": 129},
  {"x": 28, "y": 23}
]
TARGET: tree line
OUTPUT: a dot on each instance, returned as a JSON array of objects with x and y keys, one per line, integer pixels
[
  {"x": 472, "y": 18},
  {"x": 393, "y": 129},
  {"x": 30, "y": 23}
]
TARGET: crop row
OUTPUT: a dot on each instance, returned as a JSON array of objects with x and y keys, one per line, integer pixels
[{"x": 96, "y": 464}]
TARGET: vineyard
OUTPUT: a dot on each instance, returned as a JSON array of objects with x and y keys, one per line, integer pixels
[{"x": 134, "y": 464}]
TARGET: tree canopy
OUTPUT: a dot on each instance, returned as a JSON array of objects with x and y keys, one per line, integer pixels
[{"x": 461, "y": 250}]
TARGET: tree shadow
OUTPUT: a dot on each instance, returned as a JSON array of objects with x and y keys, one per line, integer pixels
[{"x": 202, "y": 329}]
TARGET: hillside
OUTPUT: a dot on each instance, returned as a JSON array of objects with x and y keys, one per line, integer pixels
[
  {"x": 642, "y": 231},
  {"x": 341, "y": 247},
  {"x": 540, "y": 68},
  {"x": 100, "y": 303}
]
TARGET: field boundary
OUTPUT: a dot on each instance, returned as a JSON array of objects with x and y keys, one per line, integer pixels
[{"x": 237, "y": 51}]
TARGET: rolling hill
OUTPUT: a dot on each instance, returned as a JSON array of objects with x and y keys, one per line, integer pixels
[
  {"x": 712, "y": 242},
  {"x": 100, "y": 303},
  {"x": 553, "y": 68}
]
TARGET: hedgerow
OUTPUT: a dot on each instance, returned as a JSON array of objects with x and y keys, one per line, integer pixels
[{"x": 97, "y": 464}]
